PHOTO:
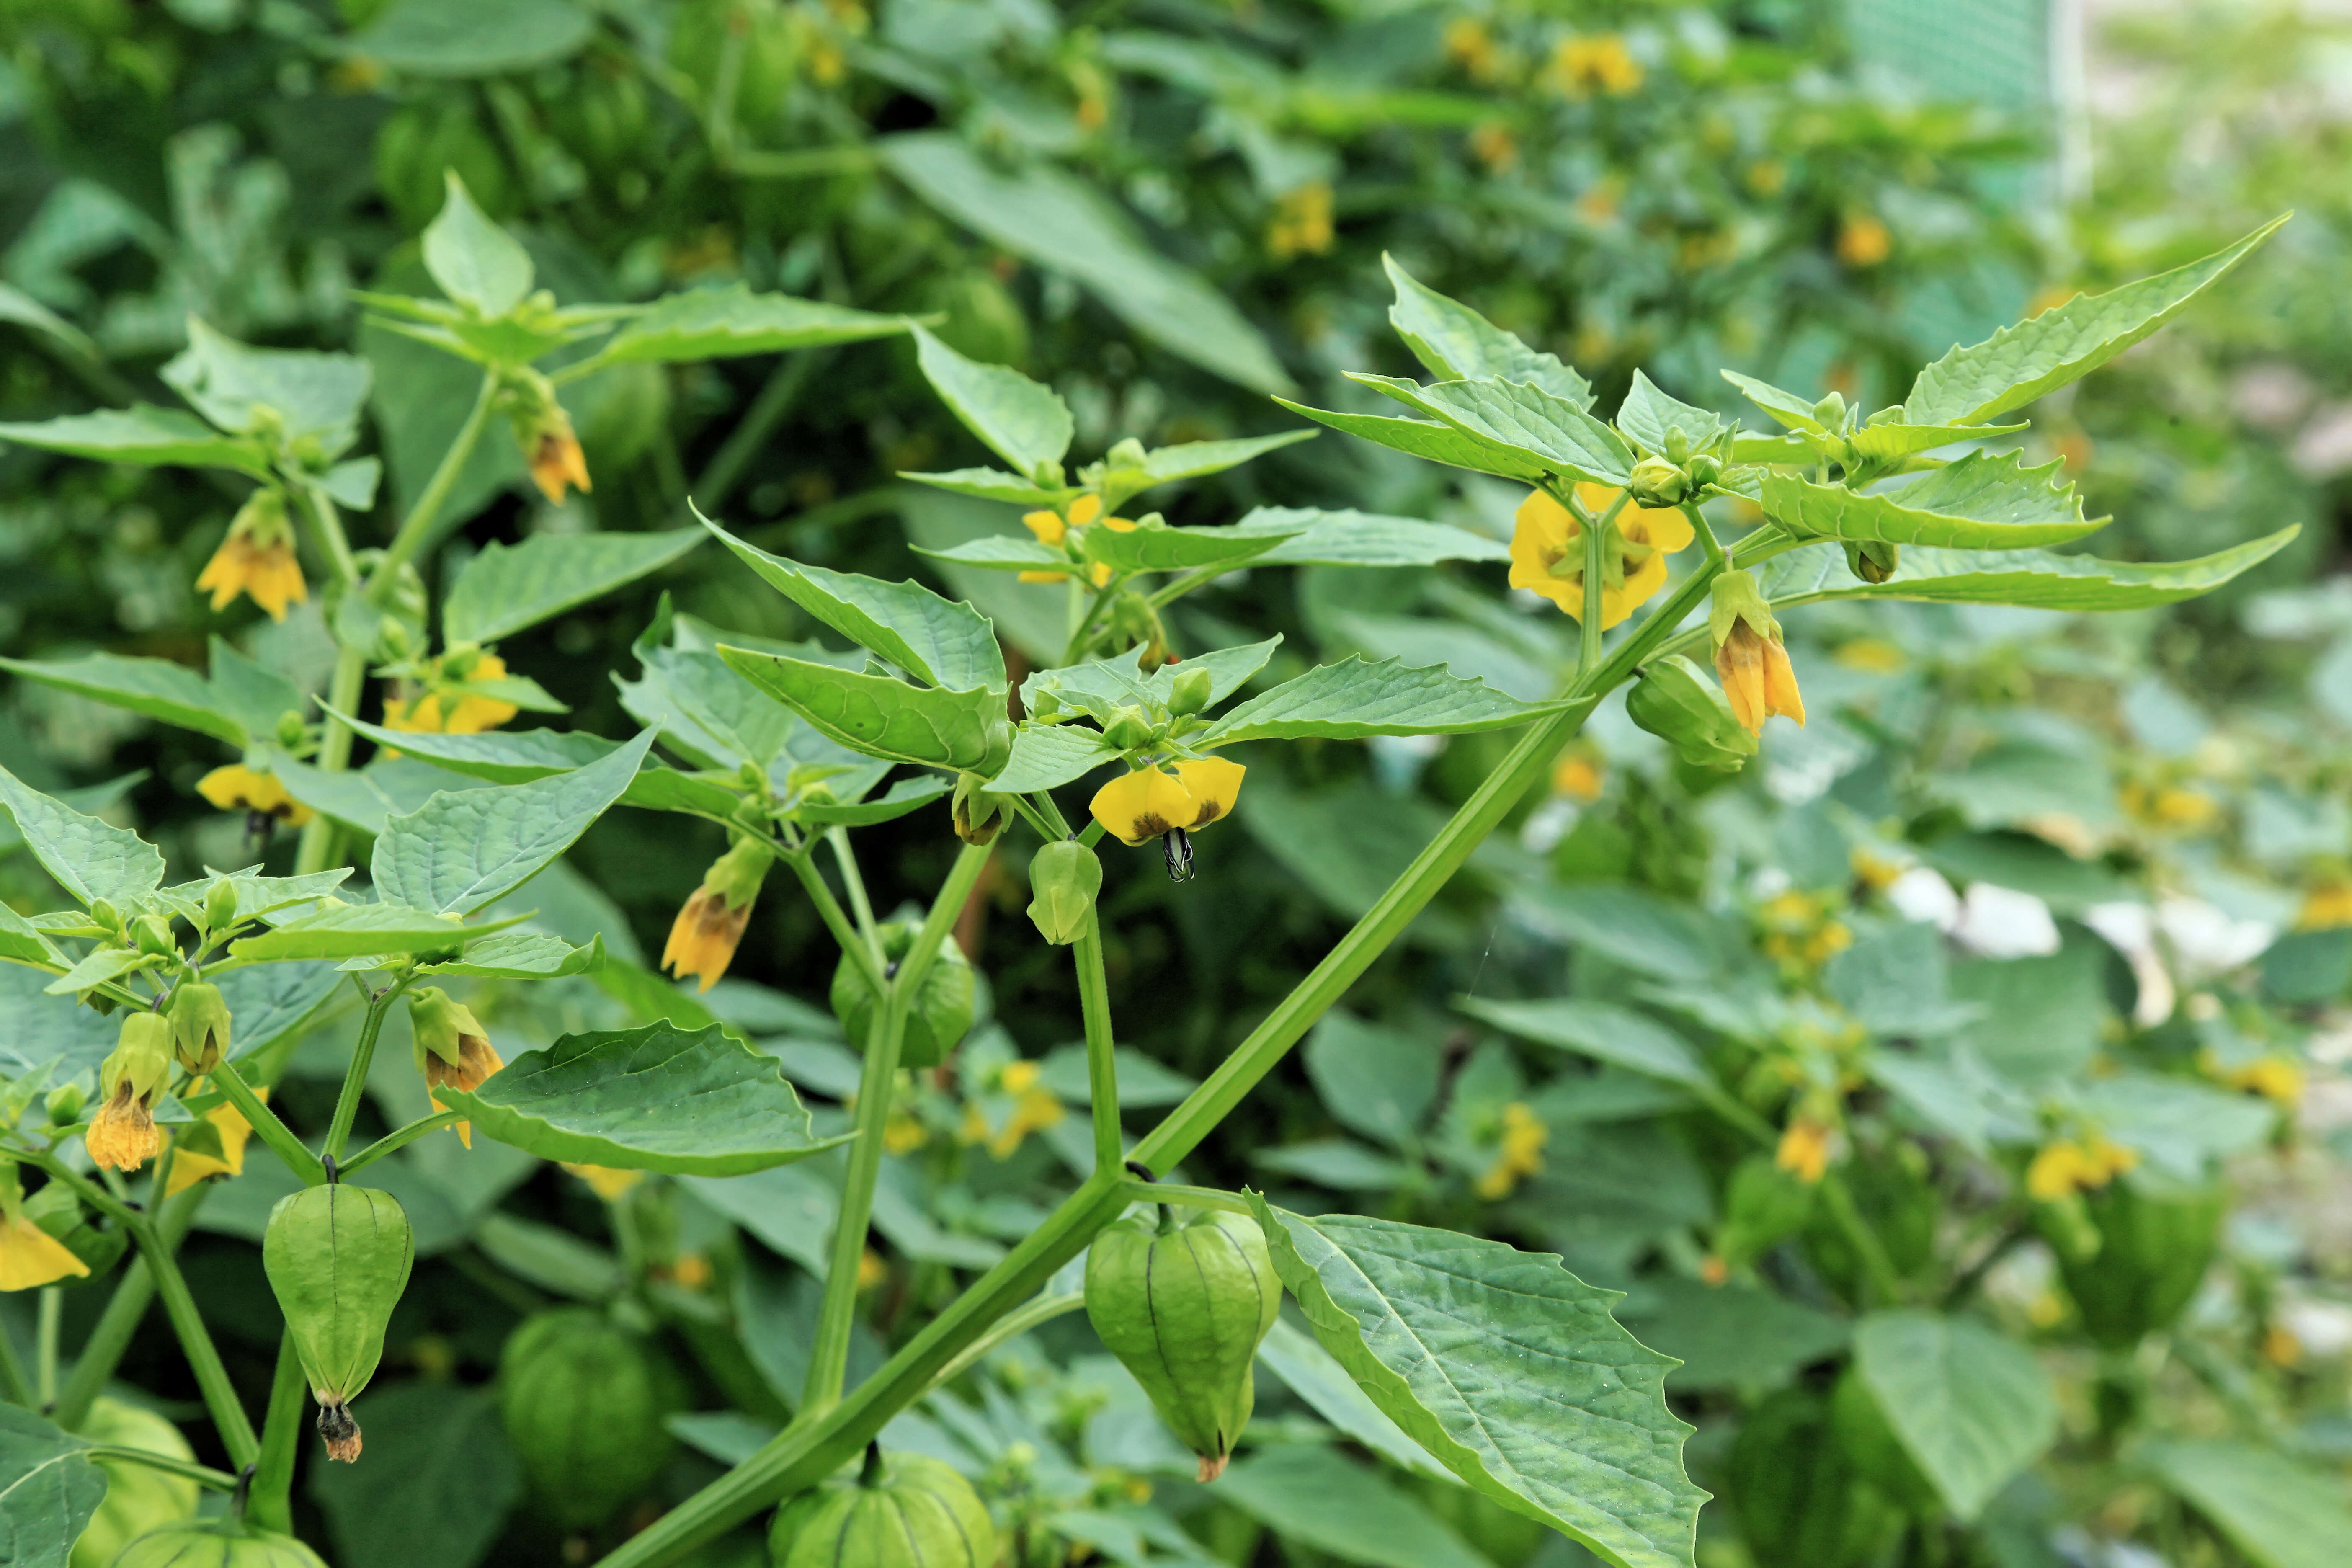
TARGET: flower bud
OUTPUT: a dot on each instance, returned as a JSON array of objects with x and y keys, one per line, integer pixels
[
  {"x": 337, "y": 1258},
  {"x": 123, "y": 1136},
  {"x": 292, "y": 734},
  {"x": 220, "y": 905},
  {"x": 453, "y": 1049},
  {"x": 1830, "y": 413},
  {"x": 1872, "y": 561},
  {"x": 1064, "y": 878},
  {"x": 107, "y": 916},
  {"x": 152, "y": 933},
  {"x": 65, "y": 1104},
  {"x": 200, "y": 1025},
  {"x": 978, "y": 815},
  {"x": 1045, "y": 703},
  {"x": 1678, "y": 446},
  {"x": 1658, "y": 483},
  {"x": 1675, "y": 702},
  {"x": 1129, "y": 729},
  {"x": 1192, "y": 691}
]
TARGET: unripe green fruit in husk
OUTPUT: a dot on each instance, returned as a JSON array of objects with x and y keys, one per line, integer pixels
[
  {"x": 1898, "y": 1202},
  {"x": 585, "y": 1401},
  {"x": 1675, "y": 701},
  {"x": 1868, "y": 1441},
  {"x": 938, "y": 1018},
  {"x": 1183, "y": 1309},
  {"x": 1800, "y": 1501},
  {"x": 905, "y": 1510},
  {"x": 2155, "y": 1246},
  {"x": 1063, "y": 879},
  {"x": 216, "y": 1544},
  {"x": 139, "y": 1497},
  {"x": 337, "y": 1258}
]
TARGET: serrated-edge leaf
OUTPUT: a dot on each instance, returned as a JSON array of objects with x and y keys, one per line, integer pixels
[
  {"x": 522, "y": 955},
  {"x": 731, "y": 322},
  {"x": 1197, "y": 459},
  {"x": 1551, "y": 433},
  {"x": 876, "y": 714},
  {"x": 1647, "y": 414},
  {"x": 501, "y": 756},
  {"x": 506, "y": 588},
  {"x": 22, "y": 942},
  {"x": 2037, "y": 579},
  {"x": 1020, "y": 420},
  {"x": 474, "y": 261},
  {"x": 905, "y": 795},
  {"x": 1564, "y": 1469},
  {"x": 89, "y": 859},
  {"x": 96, "y": 968},
  {"x": 1789, "y": 408},
  {"x": 1981, "y": 502},
  {"x": 1456, "y": 344},
  {"x": 1047, "y": 756},
  {"x": 308, "y": 392},
  {"x": 159, "y": 687},
  {"x": 1354, "y": 698},
  {"x": 1431, "y": 440}
]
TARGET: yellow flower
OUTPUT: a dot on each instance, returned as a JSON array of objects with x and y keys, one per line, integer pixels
[
  {"x": 2169, "y": 806},
  {"x": 1521, "y": 1154},
  {"x": 256, "y": 559},
  {"x": 1496, "y": 147},
  {"x": 2273, "y": 1077},
  {"x": 603, "y": 1181},
  {"x": 903, "y": 1134},
  {"x": 1302, "y": 222},
  {"x": 1579, "y": 777},
  {"x": 1547, "y": 553},
  {"x": 871, "y": 1270},
  {"x": 1872, "y": 656},
  {"x": 1150, "y": 802},
  {"x": 236, "y": 788},
  {"x": 1600, "y": 63},
  {"x": 2066, "y": 1167},
  {"x": 452, "y": 1049},
  {"x": 30, "y": 1256},
  {"x": 557, "y": 460},
  {"x": 1874, "y": 871},
  {"x": 704, "y": 936},
  {"x": 1804, "y": 1151},
  {"x": 1758, "y": 678},
  {"x": 191, "y": 1165},
  {"x": 2325, "y": 906},
  {"x": 2280, "y": 1347},
  {"x": 1863, "y": 241},
  {"x": 123, "y": 1136},
  {"x": 1213, "y": 784},
  {"x": 1471, "y": 46},
  {"x": 1047, "y": 525},
  {"x": 1052, "y": 529},
  {"x": 453, "y": 712}
]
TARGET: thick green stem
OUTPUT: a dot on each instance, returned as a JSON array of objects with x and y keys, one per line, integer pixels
[
  {"x": 846, "y": 858},
  {"x": 327, "y": 524},
  {"x": 196, "y": 1344},
  {"x": 102, "y": 1352},
  {"x": 202, "y": 1474},
  {"x": 53, "y": 1306},
  {"x": 399, "y": 1139},
  {"x": 416, "y": 528},
  {"x": 845, "y": 935},
  {"x": 13, "y": 1387},
  {"x": 1102, "y": 1066},
  {"x": 355, "y": 1076},
  {"x": 270, "y": 1503},
  {"x": 266, "y": 1126}
]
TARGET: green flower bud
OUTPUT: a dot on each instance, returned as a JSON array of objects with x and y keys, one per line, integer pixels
[
  {"x": 153, "y": 935},
  {"x": 142, "y": 1058},
  {"x": 200, "y": 1025},
  {"x": 1046, "y": 473},
  {"x": 292, "y": 734},
  {"x": 978, "y": 815},
  {"x": 1676, "y": 702},
  {"x": 585, "y": 1402},
  {"x": 440, "y": 1026},
  {"x": 1678, "y": 446},
  {"x": 941, "y": 1016},
  {"x": 220, "y": 905},
  {"x": 1183, "y": 1307},
  {"x": 216, "y": 1544},
  {"x": 337, "y": 1258},
  {"x": 106, "y": 916},
  {"x": 1191, "y": 693},
  {"x": 1125, "y": 453},
  {"x": 904, "y": 1510},
  {"x": 65, "y": 1104},
  {"x": 1872, "y": 561},
  {"x": 1658, "y": 483},
  {"x": 1064, "y": 878},
  {"x": 1830, "y": 413},
  {"x": 1738, "y": 598},
  {"x": 1128, "y": 730},
  {"x": 1045, "y": 703}
]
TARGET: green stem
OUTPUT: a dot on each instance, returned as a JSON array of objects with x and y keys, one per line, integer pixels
[
  {"x": 416, "y": 528},
  {"x": 397, "y": 1140},
  {"x": 319, "y": 833},
  {"x": 102, "y": 1352},
  {"x": 1588, "y": 630},
  {"x": 1102, "y": 1064},
  {"x": 327, "y": 523},
  {"x": 1187, "y": 1198},
  {"x": 846, "y": 859},
  {"x": 267, "y": 1127},
  {"x": 1005, "y": 1330},
  {"x": 725, "y": 470},
  {"x": 202, "y": 1474},
  {"x": 355, "y": 1076},
  {"x": 1200, "y": 577},
  {"x": 270, "y": 1503},
  {"x": 13, "y": 1387},
  {"x": 196, "y": 1344},
  {"x": 1884, "y": 1282},
  {"x": 828, "y": 909},
  {"x": 53, "y": 1304}
]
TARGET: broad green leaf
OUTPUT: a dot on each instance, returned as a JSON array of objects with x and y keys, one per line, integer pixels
[
  {"x": 1376, "y": 1081},
  {"x": 91, "y": 859},
  {"x": 883, "y": 717},
  {"x": 49, "y": 1488},
  {"x": 709, "y": 713},
  {"x": 2019, "y": 363},
  {"x": 1971, "y": 1406},
  {"x": 1456, "y": 344},
  {"x": 22, "y": 942},
  {"x": 993, "y": 484},
  {"x": 467, "y": 39},
  {"x": 1366, "y": 539},
  {"x": 1003, "y": 553},
  {"x": 252, "y": 695},
  {"x": 365, "y": 799},
  {"x": 1600, "y": 1030},
  {"x": 464, "y": 848},
  {"x": 438, "y": 1484},
  {"x": 1060, "y": 223},
  {"x": 21, "y": 307},
  {"x": 507, "y": 587},
  {"x": 943, "y": 642},
  {"x": 522, "y": 955},
  {"x": 1792, "y": 410},
  {"x": 1153, "y": 546},
  {"x": 1312, "y": 1494},
  {"x": 1506, "y": 1367},
  {"x": 1353, "y": 699},
  {"x": 1729, "y": 1336},
  {"x": 1428, "y": 438},
  {"x": 1885, "y": 443},
  {"x": 159, "y": 687},
  {"x": 351, "y": 485},
  {"x": 723, "y": 323},
  {"x": 1633, "y": 927},
  {"x": 145, "y": 434},
  {"x": 358, "y": 930},
  {"x": 1315, "y": 1374},
  {"x": 651, "y": 1099},
  {"x": 2039, "y": 578},
  {"x": 905, "y": 795},
  {"x": 1341, "y": 1164},
  {"x": 1046, "y": 756},
  {"x": 1981, "y": 503},
  {"x": 271, "y": 1001},
  {"x": 1549, "y": 433},
  {"x": 1100, "y": 687},
  {"x": 1195, "y": 459},
  {"x": 1647, "y": 414},
  {"x": 2279, "y": 1513},
  {"x": 475, "y": 262},
  {"x": 501, "y": 756},
  {"x": 98, "y": 966},
  {"x": 1021, "y": 421},
  {"x": 304, "y": 393}
]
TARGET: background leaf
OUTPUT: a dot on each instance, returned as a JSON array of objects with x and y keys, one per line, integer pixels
[
  {"x": 438, "y": 1461},
  {"x": 89, "y": 859},
  {"x": 2281, "y": 1514},
  {"x": 729, "y": 321},
  {"x": 48, "y": 1490},
  {"x": 1353, "y": 699},
  {"x": 507, "y": 587},
  {"x": 1022, "y": 422},
  {"x": 1970, "y": 1407}
]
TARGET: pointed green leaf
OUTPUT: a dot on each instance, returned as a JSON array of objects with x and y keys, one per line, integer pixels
[
  {"x": 2040, "y": 579},
  {"x": 1887, "y": 442},
  {"x": 1021, "y": 421},
  {"x": 2019, "y": 363},
  {"x": 993, "y": 484},
  {"x": 1506, "y": 1368},
  {"x": 1100, "y": 687},
  {"x": 1600, "y": 1030},
  {"x": 1971, "y": 1406},
  {"x": 145, "y": 434},
  {"x": 272, "y": 1000},
  {"x": 905, "y": 795},
  {"x": 257, "y": 895},
  {"x": 1457, "y": 343},
  {"x": 364, "y": 799},
  {"x": 1353, "y": 699},
  {"x": 518, "y": 756},
  {"x": 1430, "y": 439},
  {"x": 1981, "y": 503},
  {"x": 1316, "y": 1496},
  {"x": 351, "y": 485},
  {"x": 251, "y": 695},
  {"x": 96, "y": 968},
  {"x": 883, "y": 717},
  {"x": 2279, "y": 1513},
  {"x": 159, "y": 687},
  {"x": 724, "y": 323},
  {"x": 1792, "y": 410},
  {"x": 507, "y": 587},
  {"x": 22, "y": 942},
  {"x": 475, "y": 262},
  {"x": 1046, "y": 756},
  {"x": 462, "y": 39},
  {"x": 522, "y": 955},
  {"x": 1316, "y": 1375},
  {"x": 359, "y": 931},
  {"x": 1349, "y": 538},
  {"x": 1647, "y": 415},
  {"x": 464, "y": 848},
  {"x": 1551, "y": 433},
  {"x": 304, "y": 393},
  {"x": 1003, "y": 553},
  {"x": 91, "y": 859},
  {"x": 1152, "y": 546},
  {"x": 21, "y": 307},
  {"x": 50, "y": 1488},
  {"x": 1196, "y": 460},
  {"x": 652, "y": 1098},
  {"x": 944, "y": 642}
]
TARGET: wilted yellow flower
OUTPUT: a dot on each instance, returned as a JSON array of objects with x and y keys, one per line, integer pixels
[
  {"x": 603, "y": 1181},
  {"x": 256, "y": 559},
  {"x": 710, "y": 926},
  {"x": 1805, "y": 1146},
  {"x": 1874, "y": 871},
  {"x": 31, "y": 1256},
  {"x": 2066, "y": 1167},
  {"x": 1801, "y": 932},
  {"x": 1600, "y": 63},
  {"x": 904, "y": 1134},
  {"x": 191, "y": 1164},
  {"x": 1053, "y": 528},
  {"x": 1548, "y": 552},
  {"x": 453, "y": 712},
  {"x": 123, "y": 1136},
  {"x": 1301, "y": 225},
  {"x": 1757, "y": 678},
  {"x": 1521, "y": 1154},
  {"x": 2280, "y": 1346},
  {"x": 236, "y": 788},
  {"x": 453, "y": 1050}
]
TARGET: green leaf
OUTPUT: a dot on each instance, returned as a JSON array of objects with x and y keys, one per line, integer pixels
[
  {"x": 651, "y": 1099},
  {"x": 1315, "y": 1374},
  {"x": 1729, "y": 1336},
  {"x": 352, "y": 485},
  {"x": 1648, "y": 414},
  {"x": 1887, "y": 442},
  {"x": 1970, "y": 1407},
  {"x": 881, "y": 716},
  {"x": 475, "y": 262},
  {"x": 272, "y": 1000},
  {"x": 1353, "y": 699},
  {"x": 21, "y": 307},
  {"x": 1195, "y": 459},
  {"x": 507, "y": 587},
  {"x": 2037, "y": 578},
  {"x": 522, "y": 955},
  {"x": 1376, "y": 1081},
  {"x": 1428, "y": 438},
  {"x": 1003, "y": 553},
  {"x": 2019, "y": 363},
  {"x": 438, "y": 1484},
  {"x": 993, "y": 484},
  {"x": 1365, "y": 539},
  {"x": 1600, "y": 1030},
  {"x": 1152, "y": 546},
  {"x": 22, "y": 942},
  {"x": 1047, "y": 756},
  {"x": 1101, "y": 687},
  {"x": 251, "y": 695},
  {"x": 905, "y": 795},
  {"x": 366, "y": 799},
  {"x": 467, "y": 39},
  {"x": 1791, "y": 409},
  {"x": 725, "y": 324},
  {"x": 159, "y": 687},
  {"x": 304, "y": 393},
  {"x": 96, "y": 968},
  {"x": 1311, "y": 1494},
  {"x": 145, "y": 434},
  {"x": 48, "y": 1489},
  {"x": 464, "y": 848},
  {"x": 1061, "y": 224},
  {"x": 501, "y": 756},
  {"x": 1549, "y": 433},
  {"x": 1506, "y": 1367},
  {"x": 361, "y": 931},
  {"x": 1981, "y": 503},
  {"x": 2279, "y": 1513},
  {"x": 942, "y": 642},
  {"x": 1456, "y": 344},
  {"x": 91, "y": 859},
  {"x": 1021, "y": 421},
  {"x": 1633, "y": 927}
]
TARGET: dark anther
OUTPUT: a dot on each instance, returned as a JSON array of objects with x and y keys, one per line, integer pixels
[
  {"x": 1140, "y": 1171},
  {"x": 1178, "y": 850},
  {"x": 891, "y": 970}
]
